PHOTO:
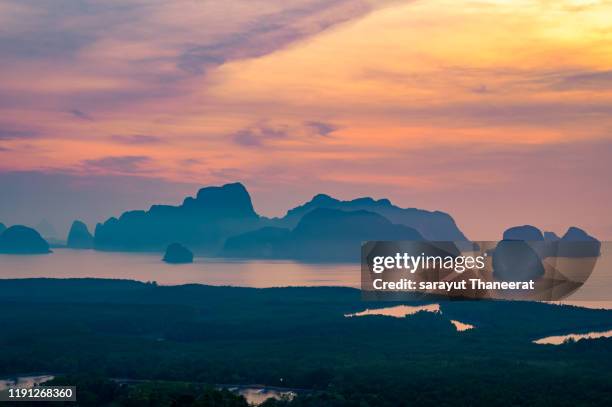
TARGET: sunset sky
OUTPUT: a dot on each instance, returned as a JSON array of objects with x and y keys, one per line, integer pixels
[{"x": 496, "y": 111}]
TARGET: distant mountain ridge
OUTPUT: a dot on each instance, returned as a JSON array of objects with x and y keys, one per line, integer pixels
[
  {"x": 221, "y": 221},
  {"x": 205, "y": 224},
  {"x": 322, "y": 234},
  {"x": 19, "y": 239},
  {"x": 436, "y": 225},
  {"x": 79, "y": 236}
]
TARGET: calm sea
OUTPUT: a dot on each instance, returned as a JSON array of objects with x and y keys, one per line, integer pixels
[{"x": 67, "y": 263}]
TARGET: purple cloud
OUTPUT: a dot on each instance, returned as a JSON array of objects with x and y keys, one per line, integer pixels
[
  {"x": 257, "y": 136},
  {"x": 588, "y": 80},
  {"x": 8, "y": 132},
  {"x": 124, "y": 164},
  {"x": 268, "y": 32},
  {"x": 322, "y": 128},
  {"x": 79, "y": 114},
  {"x": 135, "y": 139}
]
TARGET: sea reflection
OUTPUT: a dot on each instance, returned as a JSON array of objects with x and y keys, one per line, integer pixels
[
  {"x": 560, "y": 339},
  {"x": 401, "y": 311},
  {"x": 67, "y": 263},
  {"x": 461, "y": 326},
  {"x": 398, "y": 311}
]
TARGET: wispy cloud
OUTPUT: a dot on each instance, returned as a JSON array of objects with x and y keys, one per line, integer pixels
[
  {"x": 258, "y": 135},
  {"x": 10, "y": 132},
  {"x": 135, "y": 139},
  {"x": 586, "y": 80},
  {"x": 270, "y": 31},
  {"x": 79, "y": 114},
  {"x": 322, "y": 128},
  {"x": 101, "y": 39},
  {"x": 118, "y": 164},
  {"x": 265, "y": 133}
]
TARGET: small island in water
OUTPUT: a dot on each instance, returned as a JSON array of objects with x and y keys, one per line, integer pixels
[
  {"x": 20, "y": 239},
  {"x": 176, "y": 253},
  {"x": 79, "y": 236}
]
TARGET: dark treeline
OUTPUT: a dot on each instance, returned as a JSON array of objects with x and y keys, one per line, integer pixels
[{"x": 188, "y": 338}]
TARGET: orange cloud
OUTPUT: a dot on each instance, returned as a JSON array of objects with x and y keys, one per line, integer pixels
[{"x": 345, "y": 94}]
